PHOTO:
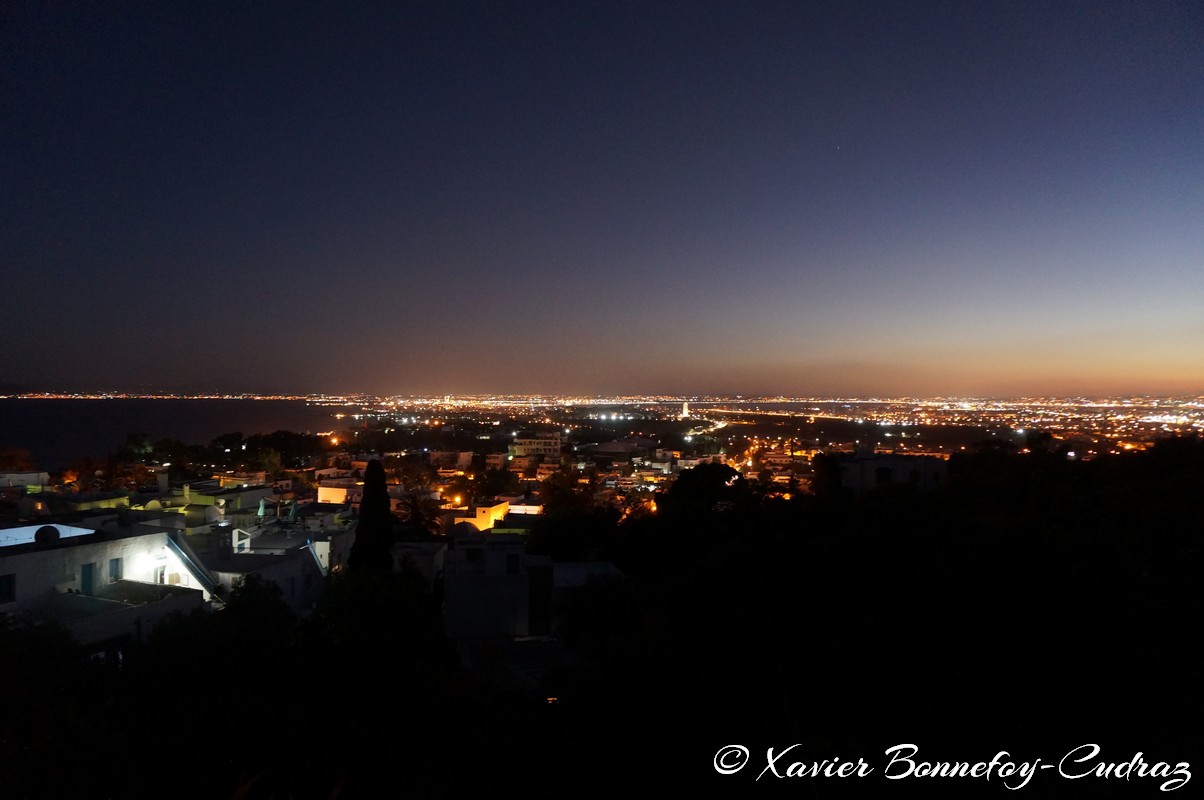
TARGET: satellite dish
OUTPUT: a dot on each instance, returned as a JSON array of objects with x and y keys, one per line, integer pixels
[{"x": 46, "y": 534}]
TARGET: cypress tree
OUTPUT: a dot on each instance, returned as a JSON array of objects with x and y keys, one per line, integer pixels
[{"x": 374, "y": 533}]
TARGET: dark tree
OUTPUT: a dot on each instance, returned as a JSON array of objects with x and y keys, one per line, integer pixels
[
  {"x": 411, "y": 472},
  {"x": 14, "y": 460},
  {"x": 561, "y": 492},
  {"x": 231, "y": 441},
  {"x": 825, "y": 479},
  {"x": 705, "y": 488},
  {"x": 493, "y": 482},
  {"x": 137, "y": 447},
  {"x": 374, "y": 533},
  {"x": 420, "y": 513}
]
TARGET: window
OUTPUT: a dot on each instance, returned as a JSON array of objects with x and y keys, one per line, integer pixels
[
  {"x": 8, "y": 588},
  {"x": 114, "y": 570}
]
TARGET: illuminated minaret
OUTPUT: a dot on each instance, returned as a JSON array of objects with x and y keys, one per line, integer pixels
[{"x": 685, "y": 410}]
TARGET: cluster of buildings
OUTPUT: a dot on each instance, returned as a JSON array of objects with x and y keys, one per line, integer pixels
[{"x": 109, "y": 566}]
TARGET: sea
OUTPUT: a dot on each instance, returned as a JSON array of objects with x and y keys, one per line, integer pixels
[{"x": 56, "y": 432}]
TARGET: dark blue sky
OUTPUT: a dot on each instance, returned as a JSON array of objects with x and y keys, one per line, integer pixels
[{"x": 857, "y": 198}]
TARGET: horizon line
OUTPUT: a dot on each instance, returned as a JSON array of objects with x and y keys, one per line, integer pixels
[{"x": 573, "y": 397}]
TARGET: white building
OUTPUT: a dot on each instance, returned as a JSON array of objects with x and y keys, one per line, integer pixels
[
  {"x": 543, "y": 446},
  {"x": 100, "y": 585}
]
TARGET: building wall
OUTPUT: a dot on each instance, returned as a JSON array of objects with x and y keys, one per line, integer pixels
[
  {"x": 862, "y": 473},
  {"x": 42, "y": 573},
  {"x": 451, "y": 459},
  {"x": 543, "y": 446},
  {"x": 485, "y": 517},
  {"x": 134, "y": 620},
  {"x": 485, "y": 589},
  {"x": 332, "y": 494},
  {"x": 36, "y": 479},
  {"x": 295, "y": 572}
]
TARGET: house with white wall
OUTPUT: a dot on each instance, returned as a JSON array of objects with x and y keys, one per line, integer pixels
[{"x": 101, "y": 585}]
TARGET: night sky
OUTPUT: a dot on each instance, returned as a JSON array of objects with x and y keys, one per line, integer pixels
[{"x": 805, "y": 198}]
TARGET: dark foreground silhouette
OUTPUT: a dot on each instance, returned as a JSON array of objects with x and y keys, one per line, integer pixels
[{"x": 1033, "y": 605}]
